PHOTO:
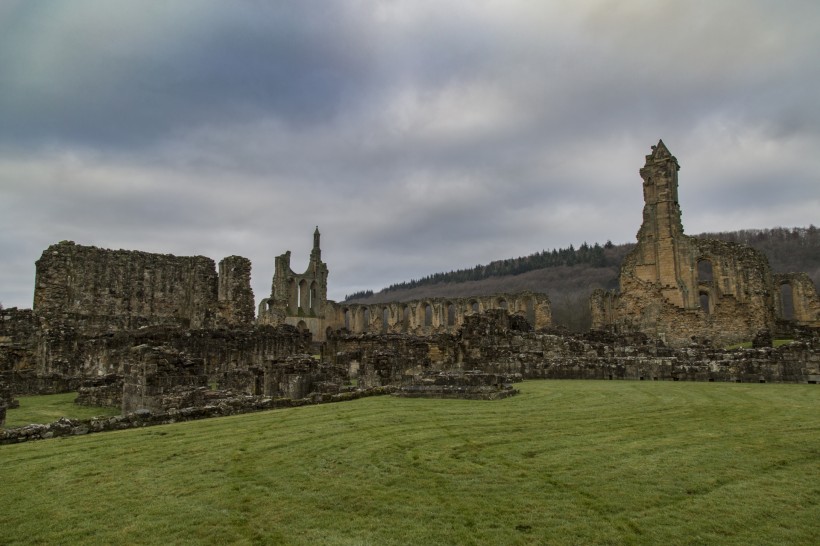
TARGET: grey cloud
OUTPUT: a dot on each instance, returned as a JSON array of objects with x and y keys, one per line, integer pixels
[{"x": 420, "y": 136}]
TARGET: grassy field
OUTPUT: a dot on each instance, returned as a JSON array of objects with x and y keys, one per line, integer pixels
[
  {"x": 47, "y": 409},
  {"x": 565, "y": 462}
]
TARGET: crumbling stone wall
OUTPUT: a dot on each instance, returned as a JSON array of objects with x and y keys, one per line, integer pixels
[
  {"x": 236, "y": 302},
  {"x": 470, "y": 385},
  {"x": 438, "y": 315},
  {"x": 18, "y": 335},
  {"x": 103, "y": 392},
  {"x": 298, "y": 299},
  {"x": 495, "y": 342},
  {"x": 153, "y": 372},
  {"x": 100, "y": 290},
  {"x": 679, "y": 288},
  {"x": 7, "y": 401},
  {"x": 301, "y": 301},
  {"x": 386, "y": 359},
  {"x": 299, "y": 375}
]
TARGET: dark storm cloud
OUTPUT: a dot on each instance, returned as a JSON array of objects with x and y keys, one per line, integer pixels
[
  {"x": 419, "y": 135},
  {"x": 110, "y": 74}
]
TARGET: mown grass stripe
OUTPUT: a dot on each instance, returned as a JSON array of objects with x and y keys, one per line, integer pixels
[{"x": 566, "y": 462}]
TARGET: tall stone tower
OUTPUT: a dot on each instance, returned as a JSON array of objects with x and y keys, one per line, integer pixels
[{"x": 663, "y": 254}]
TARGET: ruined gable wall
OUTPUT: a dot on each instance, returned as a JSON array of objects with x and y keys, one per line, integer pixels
[
  {"x": 101, "y": 290},
  {"x": 118, "y": 289}
]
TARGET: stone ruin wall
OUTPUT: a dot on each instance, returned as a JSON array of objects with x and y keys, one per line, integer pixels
[
  {"x": 101, "y": 290},
  {"x": 679, "y": 288},
  {"x": 805, "y": 300},
  {"x": 495, "y": 342},
  {"x": 436, "y": 315}
]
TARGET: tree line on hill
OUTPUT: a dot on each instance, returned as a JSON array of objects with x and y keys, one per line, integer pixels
[{"x": 591, "y": 256}]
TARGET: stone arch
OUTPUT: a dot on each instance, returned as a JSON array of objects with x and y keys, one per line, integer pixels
[
  {"x": 474, "y": 306},
  {"x": 303, "y": 296},
  {"x": 451, "y": 313},
  {"x": 328, "y": 332},
  {"x": 385, "y": 320},
  {"x": 405, "y": 318},
  {"x": 346, "y": 316},
  {"x": 428, "y": 314},
  {"x": 366, "y": 319},
  {"x": 302, "y": 326},
  {"x": 501, "y": 303}
]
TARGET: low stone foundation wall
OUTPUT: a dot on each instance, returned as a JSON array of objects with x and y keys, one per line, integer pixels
[
  {"x": 145, "y": 418},
  {"x": 470, "y": 385}
]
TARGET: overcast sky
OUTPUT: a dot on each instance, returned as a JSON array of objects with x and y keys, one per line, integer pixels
[{"x": 420, "y": 136}]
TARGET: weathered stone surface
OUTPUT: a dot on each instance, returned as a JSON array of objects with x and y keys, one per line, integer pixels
[
  {"x": 488, "y": 343},
  {"x": 463, "y": 385},
  {"x": 152, "y": 372},
  {"x": 680, "y": 288},
  {"x": 236, "y": 302},
  {"x": 103, "y": 392},
  {"x": 301, "y": 300},
  {"x": 100, "y": 290}
]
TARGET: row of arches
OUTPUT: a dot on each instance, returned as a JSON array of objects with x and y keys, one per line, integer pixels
[
  {"x": 303, "y": 295},
  {"x": 436, "y": 314}
]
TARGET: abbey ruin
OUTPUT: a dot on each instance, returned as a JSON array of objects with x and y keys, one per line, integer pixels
[
  {"x": 156, "y": 333},
  {"x": 679, "y": 288}
]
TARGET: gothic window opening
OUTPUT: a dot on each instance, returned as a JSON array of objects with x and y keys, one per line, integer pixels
[
  {"x": 787, "y": 301},
  {"x": 704, "y": 271}
]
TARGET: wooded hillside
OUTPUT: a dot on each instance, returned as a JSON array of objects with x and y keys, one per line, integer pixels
[{"x": 569, "y": 275}]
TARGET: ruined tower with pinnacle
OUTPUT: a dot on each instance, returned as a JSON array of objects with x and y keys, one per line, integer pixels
[
  {"x": 683, "y": 289},
  {"x": 298, "y": 299}
]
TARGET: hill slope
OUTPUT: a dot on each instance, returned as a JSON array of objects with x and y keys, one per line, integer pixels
[{"x": 570, "y": 275}]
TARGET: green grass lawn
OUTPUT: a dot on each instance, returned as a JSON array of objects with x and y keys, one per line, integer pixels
[
  {"x": 47, "y": 409},
  {"x": 565, "y": 462}
]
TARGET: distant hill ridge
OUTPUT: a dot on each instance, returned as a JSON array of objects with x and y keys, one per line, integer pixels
[{"x": 569, "y": 275}]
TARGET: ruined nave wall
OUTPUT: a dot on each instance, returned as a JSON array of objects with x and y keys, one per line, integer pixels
[{"x": 102, "y": 290}]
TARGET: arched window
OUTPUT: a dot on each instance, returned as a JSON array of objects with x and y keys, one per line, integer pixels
[
  {"x": 474, "y": 306},
  {"x": 451, "y": 314},
  {"x": 366, "y": 325},
  {"x": 347, "y": 319},
  {"x": 385, "y": 319},
  {"x": 405, "y": 318},
  {"x": 531, "y": 311},
  {"x": 313, "y": 292},
  {"x": 704, "y": 271},
  {"x": 502, "y": 304},
  {"x": 428, "y": 315},
  {"x": 704, "y": 302},
  {"x": 303, "y": 295},
  {"x": 787, "y": 301}
]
